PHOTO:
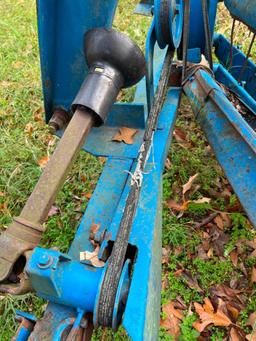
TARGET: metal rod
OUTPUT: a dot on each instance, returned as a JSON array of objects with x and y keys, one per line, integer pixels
[
  {"x": 186, "y": 23},
  {"x": 232, "y": 43},
  {"x": 246, "y": 59},
  {"x": 208, "y": 40},
  {"x": 44, "y": 194}
]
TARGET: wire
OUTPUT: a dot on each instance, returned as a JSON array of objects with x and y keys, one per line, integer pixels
[
  {"x": 231, "y": 55},
  {"x": 246, "y": 59}
]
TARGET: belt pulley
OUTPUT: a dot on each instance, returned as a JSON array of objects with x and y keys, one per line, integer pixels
[{"x": 168, "y": 22}]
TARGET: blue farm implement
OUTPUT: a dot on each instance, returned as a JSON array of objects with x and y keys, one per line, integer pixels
[{"x": 111, "y": 275}]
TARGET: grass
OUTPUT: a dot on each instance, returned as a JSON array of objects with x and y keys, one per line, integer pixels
[{"x": 24, "y": 139}]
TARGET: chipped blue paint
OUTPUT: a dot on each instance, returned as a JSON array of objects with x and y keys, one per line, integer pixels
[{"x": 232, "y": 139}]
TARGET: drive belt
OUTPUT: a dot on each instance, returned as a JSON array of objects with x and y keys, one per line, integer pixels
[{"x": 117, "y": 257}]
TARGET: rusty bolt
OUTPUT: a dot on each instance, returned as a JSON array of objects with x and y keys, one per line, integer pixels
[{"x": 58, "y": 120}]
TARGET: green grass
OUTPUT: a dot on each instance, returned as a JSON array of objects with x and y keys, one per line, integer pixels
[{"x": 24, "y": 139}]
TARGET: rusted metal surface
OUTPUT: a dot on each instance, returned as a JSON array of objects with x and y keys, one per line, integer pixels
[
  {"x": 58, "y": 120},
  {"x": 25, "y": 232}
]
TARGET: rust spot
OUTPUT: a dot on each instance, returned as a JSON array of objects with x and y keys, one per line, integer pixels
[{"x": 47, "y": 83}]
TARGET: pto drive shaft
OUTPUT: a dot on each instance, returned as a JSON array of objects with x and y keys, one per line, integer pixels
[
  {"x": 115, "y": 62},
  {"x": 25, "y": 231}
]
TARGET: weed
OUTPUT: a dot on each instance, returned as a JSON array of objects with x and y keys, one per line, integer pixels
[
  {"x": 188, "y": 333},
  {"x": 213, "y": 271}
]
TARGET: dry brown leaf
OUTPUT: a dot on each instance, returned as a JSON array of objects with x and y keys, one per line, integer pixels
[
  {"x": 210, "y": 253},
  {"x": 251, "y": 337},
  {"x": 234, "y": 336},
  {"x": 202, "y": 201},
  {"x": 178, "y": 207},
  {"x": 253, "y": 276},
  {"x": 177, "y": 273},
  {"x": 234, "y": 257},
  {"x": 53, "y": 211},
  {"x": 180, "y": 135},
  {"x": 4, "y": 207},
  {"x": 172, "y": 320},
  {"x": 88, "y": 195},
  {"x": 43, "y": 161},
  {"x": 188, "y": 185},
  {"x": 226, "y": 219},
  {"x": 190, "y": 281},
  {"x": 38, "y": 117},
  {"x": 92, "y": 257},
  {"x": 233, "y": 311},
  {"x": 251, "y": 320},
  {"x": 17, "y": 64},
  {"x": 219, "y": 222},
  {"x": 208, "y": 316},
  {"x": 168, "y": 164},
  {"x": 29, "y": 128},
  {"x": 83, "y": 178},
  {"x": 125, "y": 135},
  {"x": 165, "y": 255}
]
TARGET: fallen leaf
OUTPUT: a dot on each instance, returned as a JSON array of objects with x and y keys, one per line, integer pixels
[
  {"x": 125, "y": 135},
  {"x": 251, "y": 320},
  {"x": 88, "y": 195},
  {"x": 178, "y": 207},
  {"x": 253, "y": 276},
  {"x": 219, "y": 222},
  {"x": 38, "y": 115},
  {"x": 188, "y": 185},
  {"x": 210, "y": 253},
  {"x": 202, "y": 201},
  {"x": 233, "y": 311},
  {"x": 165, "y": 255},
  {"x": 202, "y": 254},
  {"x": 251, "y": 337},
  {"x": 234, "y": 257},
  {"x": 178, "y": 272},
  {"x": 43, "y": 161},
  {"x": 180, "y": 135},
  {"x": 234, "y": 336},
  {"x": 83, "y": 178},
  {"x": 53, "y": 211},
  {"x": 168, "y": 164},
  {"x": 190, "y": 281},
  {"x": 4, "y": 207},
  {"x": 172, "y": 320},
  {"x": 226, "y": 219},
  {"x": 92, "y": 257},
  {"x": 208, "y": 316},
  {"x": 29, "y": 128},
  {"x": 17, "y": 64}
]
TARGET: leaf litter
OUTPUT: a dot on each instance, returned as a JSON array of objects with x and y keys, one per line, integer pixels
[{"x": 223, "y": 302}]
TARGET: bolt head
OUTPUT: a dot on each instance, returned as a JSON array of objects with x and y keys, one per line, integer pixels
[{"x": 44, "y": 261}]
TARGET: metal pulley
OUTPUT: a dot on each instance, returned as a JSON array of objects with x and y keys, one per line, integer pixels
[{"x": 168, "y": 22}]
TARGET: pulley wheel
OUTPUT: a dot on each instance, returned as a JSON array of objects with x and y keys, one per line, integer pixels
[{"x": 168, "y": 22}]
